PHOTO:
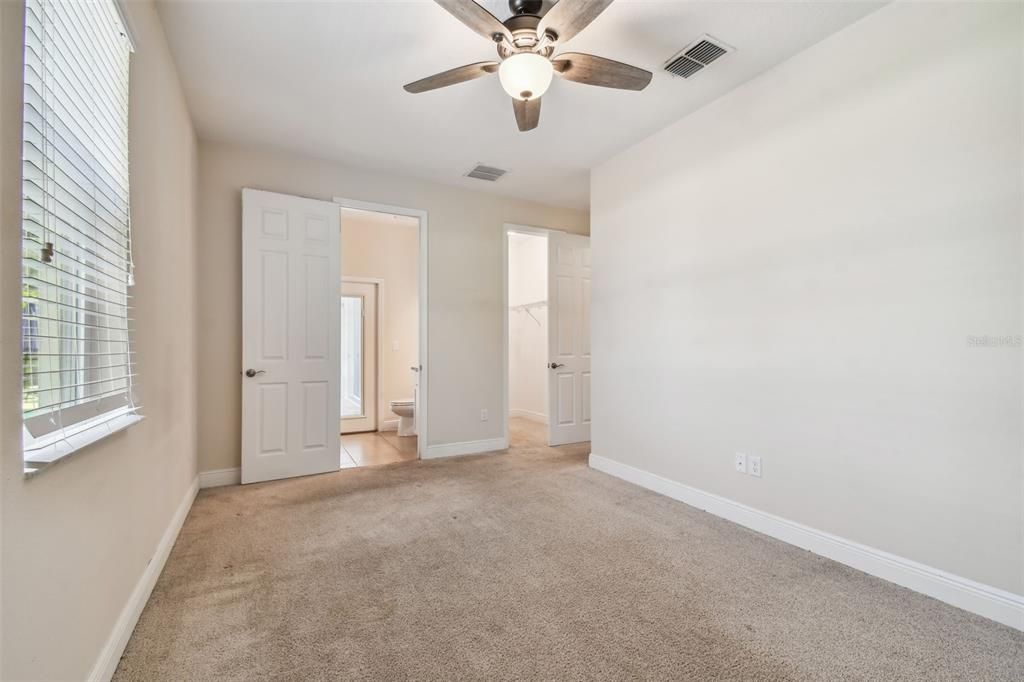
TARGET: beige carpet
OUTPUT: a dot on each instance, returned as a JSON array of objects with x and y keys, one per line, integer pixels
[{"x": 525, "y": 565}]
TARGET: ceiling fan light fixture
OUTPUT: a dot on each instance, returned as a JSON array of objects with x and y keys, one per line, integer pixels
[{"x": 526, "y": 75}]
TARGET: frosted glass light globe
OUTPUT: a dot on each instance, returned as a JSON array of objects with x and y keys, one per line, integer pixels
[{"x": 526, "y": 75}]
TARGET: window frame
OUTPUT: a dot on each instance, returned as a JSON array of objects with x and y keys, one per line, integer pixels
[{"x": 70, "y": 424}]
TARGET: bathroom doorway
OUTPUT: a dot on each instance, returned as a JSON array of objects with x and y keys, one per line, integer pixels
[{"x": 381, "y": 327}]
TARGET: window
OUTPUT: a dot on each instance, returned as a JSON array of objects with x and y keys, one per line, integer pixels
[
  {"x": 351, "y": 356},
  {"x": 77, "y": 378}
]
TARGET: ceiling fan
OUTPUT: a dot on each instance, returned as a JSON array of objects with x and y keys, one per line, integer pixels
[{"x": 526, "y": 43}]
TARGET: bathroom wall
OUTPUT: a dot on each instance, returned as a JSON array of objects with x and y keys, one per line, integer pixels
[
  {"x": 386, "y": 247},
  {"x": 528, "y": 340}
]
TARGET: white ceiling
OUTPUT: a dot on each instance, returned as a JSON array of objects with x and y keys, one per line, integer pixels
[{"x": 325, "y": 79}]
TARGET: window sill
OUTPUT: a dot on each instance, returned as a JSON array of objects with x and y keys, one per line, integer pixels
[{"x": 60, "y": 448}]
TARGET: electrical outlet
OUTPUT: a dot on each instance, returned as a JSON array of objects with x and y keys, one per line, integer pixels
[
  {"x": 483, "y": 415},
  {"x": 741, "y": 463},
  {"x": 754, "y": 466},
  {"x": 394, "y": 345}
]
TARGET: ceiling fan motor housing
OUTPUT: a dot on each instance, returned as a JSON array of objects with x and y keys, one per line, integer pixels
[
  {"x": 523, "y": 28},
  {"x": 525, "y": 6}
]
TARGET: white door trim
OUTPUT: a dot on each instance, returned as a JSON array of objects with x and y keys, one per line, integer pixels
[
  {"x": 508, "y": 228},
  {"x": 423, "y": 407}
]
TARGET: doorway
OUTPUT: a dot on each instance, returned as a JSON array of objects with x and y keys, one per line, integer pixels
[
  {"x": 527, "y": 338},
  {"x": 359, "y": 326},
  {"x": 292, "y": 341},
  {"x": 547, "y": 337},
  {"x": 380, "y": 328}
]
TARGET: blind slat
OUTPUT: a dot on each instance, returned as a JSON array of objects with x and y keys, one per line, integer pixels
[
  {"x": 40, "y": 318},
  {"x": 93, "y": 297},
  {"x": 80, "y": 369},
  {"x": 72, "y": 338},
  {"x": 78, "y": 355},
  {"x": 73, "y": 401}
]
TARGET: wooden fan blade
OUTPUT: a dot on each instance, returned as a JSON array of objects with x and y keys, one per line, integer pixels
[
  {"x": 608, "y": 73},
  {"x": 477, "y": 18},
  {"x": 527, "y": 113},
  {"x": 569, "y": 17},
  {"x": 452, "y": 76}
]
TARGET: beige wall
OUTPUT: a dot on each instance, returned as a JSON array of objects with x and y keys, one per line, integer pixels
[
  {"x": 797, "y": 271},
  {"x": 78, "y": 536},
  {"x": 527, "y": 336},
  {"x": 379, "y": 247},
  {"x": 466, "y": 303}
]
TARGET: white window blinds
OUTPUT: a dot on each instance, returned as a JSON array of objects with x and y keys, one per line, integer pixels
[{"x": 78, "y": 375}]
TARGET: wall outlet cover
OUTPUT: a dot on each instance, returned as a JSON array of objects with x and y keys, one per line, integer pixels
[
  {"x": 741, "y": 463},
  {"x": 483, "y": 415},
  {"x": 754, "y": 466}
]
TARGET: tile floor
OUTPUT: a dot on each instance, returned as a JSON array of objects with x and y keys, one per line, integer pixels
[
  {"x": 387, "y": 447},
  {"x": 373, "y": 448}
]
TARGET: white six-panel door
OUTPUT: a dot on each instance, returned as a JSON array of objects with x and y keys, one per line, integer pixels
[
  {"x": 290, "y": 336},
  {"x": 568, "y": 338}
]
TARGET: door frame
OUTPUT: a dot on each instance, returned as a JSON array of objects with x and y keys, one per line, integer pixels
[
  {"x": 379, "y": 350},
  {"x": 422, "y": 406},
  {"x": 506, "y": 229}
]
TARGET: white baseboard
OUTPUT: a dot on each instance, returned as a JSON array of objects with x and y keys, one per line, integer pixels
[
  {"x": 110, "y": 655},
  {"x": 219, "y": 477},
  {"x": 991, "y": 602},
  {"x": 527, "y": 414},
  {"x": 388, "y": 425},
  {"x": 470, "y": 447}
]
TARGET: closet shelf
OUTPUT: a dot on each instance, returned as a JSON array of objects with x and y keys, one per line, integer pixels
[{"x": 527, "y": 307}]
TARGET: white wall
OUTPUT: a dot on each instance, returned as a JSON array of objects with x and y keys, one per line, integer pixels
[
  {"x": 528, "y": 336},
  {"x": 466, "y": 300},
  {"x": 796, "y": 271},
  {"x": 376, "y": 246},
  {"x": 78, "y": 536}
]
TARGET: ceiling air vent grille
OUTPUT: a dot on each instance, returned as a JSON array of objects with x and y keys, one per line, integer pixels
[
  {"x": 696, "y": 56},
  {"x": 488, "y": 173}
]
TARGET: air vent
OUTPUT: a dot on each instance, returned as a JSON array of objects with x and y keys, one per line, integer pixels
[
  {"x": 696, "y": 56},
  {"x": 488, "y": 173}
]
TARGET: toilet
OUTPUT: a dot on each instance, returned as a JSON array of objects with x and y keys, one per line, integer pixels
[{"x": 406, "y": 411}]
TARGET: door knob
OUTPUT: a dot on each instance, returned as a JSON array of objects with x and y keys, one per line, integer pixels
[
  {"x": 555, "y": 365},
  {"x": 253, "y": 372}
]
